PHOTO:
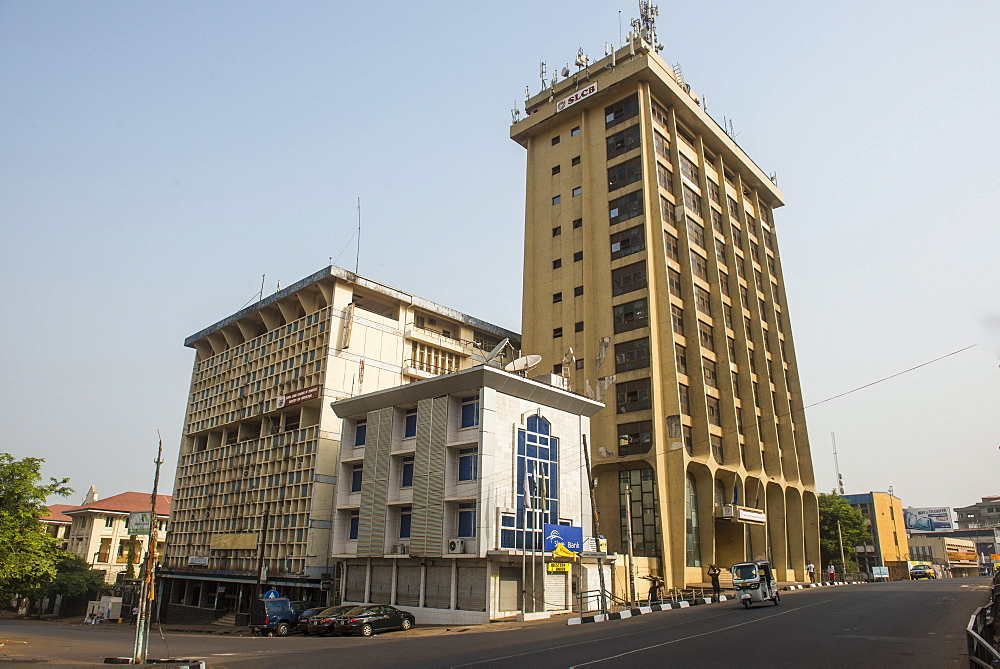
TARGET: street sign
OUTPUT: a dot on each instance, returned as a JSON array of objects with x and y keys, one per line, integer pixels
[
  {"x": 139, "y": 522},
  {"x": 593, "y": 554},
  {"x": 271, "y": 594}
]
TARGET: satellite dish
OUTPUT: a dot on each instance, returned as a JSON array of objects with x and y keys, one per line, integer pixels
[
  {"x": 565, "y": 72},
  {"x": 497, "y": 350},
  {"x": 523, "y": 363}
]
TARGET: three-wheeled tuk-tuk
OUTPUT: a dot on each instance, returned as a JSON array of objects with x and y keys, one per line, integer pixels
[{"x": 754, "y": 582}]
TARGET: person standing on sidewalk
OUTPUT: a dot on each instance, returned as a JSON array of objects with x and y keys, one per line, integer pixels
[
  {"x": 811, "y": 569},
  {"x": 713, "y": 573},
  {"x": 832, "y": 572}
]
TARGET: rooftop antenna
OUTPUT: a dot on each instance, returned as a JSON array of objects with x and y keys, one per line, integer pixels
[
  {"x": 645, "y": 25},
  {"x": 581, "y": 59},
  {"x": 357, "y": 256},
  {"x": 515, "y": 113},
  {"x": 836, "y": 465},
  {"x": 262, "y": 277},
  {"x": 541, "y": 72},
  {"x": 620, "y": 42}
]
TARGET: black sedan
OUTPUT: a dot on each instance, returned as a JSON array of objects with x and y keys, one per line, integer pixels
[
  {"x": 371, "y": 618},
  {"x": 320, "y": 622}
]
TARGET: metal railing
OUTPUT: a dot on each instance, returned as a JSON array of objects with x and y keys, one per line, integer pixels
[
  {"x": 589, "y": 601},
  {"x": 981, "y": 632}
]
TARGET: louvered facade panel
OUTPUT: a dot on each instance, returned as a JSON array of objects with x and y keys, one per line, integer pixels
[
  {"x": 429, "y": 462},
  {"x": 378, "y": 443}
]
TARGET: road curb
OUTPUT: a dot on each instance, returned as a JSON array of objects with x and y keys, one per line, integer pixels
[{"x": 642, "y": 610}]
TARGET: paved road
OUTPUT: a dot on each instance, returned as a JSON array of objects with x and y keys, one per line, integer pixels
[{"x": 906, "y": 624}]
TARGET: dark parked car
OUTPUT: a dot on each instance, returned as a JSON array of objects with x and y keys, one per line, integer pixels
[
  {"x": 320, "y": 621},
  {"x": 276, "y": 616},
  {"x": 371, "y": 618}
]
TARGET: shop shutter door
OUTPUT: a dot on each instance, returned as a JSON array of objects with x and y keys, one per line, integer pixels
[{"x": 471, "y": 587}]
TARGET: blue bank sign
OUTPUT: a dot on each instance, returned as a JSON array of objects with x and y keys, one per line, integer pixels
[{"x": 567, "y": 535}]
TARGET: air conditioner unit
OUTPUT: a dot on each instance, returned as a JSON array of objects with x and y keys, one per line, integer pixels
[
  {"x": 400, "y": 549},
  {"x": 456, "y": 545}
]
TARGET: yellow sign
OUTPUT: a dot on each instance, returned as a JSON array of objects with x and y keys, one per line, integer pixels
[
  {"x": 554, "y": 567},
  {"x": 562, "y": 551},
  {"x": 244, "y": 541}
]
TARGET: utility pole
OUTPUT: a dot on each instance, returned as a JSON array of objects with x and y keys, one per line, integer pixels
[
  {"x": 596, "y": 526},
  {"x": 843, "y": 563},
  {"x": 147, "y": 593},
  {"x": 261, "y": 572}
]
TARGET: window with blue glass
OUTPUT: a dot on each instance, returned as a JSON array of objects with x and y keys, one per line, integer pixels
[
  {"x": 360, "y": 430},
  {"x": 410, "y": 425},
  {"x": 405, "y": 515},
  {"x": 537, "y": 487},
  {"x": 468, "y": 464},
  {"x": 467, "y": 520},
  {"x": 357, "y": 475},
  {"x": 470, "y": 411},
  {"x": 406, "y": 473},
  {"x": 355, "y": 522}
]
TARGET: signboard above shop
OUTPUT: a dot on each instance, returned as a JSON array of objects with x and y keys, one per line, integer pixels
[
  {"x": 567, "y": 535},
  {"x": 743, "y": 514},
  {"x": 298, "y": 396},
  {"x": 576, "y": 96}
]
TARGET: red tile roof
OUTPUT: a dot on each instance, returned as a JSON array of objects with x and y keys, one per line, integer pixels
[
  {"x": 126, "y": 502},
  {"x": 56, "y": 514}
]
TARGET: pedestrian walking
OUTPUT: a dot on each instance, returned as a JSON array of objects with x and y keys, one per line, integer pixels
[
  {"x": 811, "y": 569},
  {"x": 713, "y": 573},
  {"x": 832, "y": 572},
  {"x": 135, "y": 614}
]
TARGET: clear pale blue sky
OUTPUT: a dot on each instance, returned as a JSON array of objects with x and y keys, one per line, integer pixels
[{"x": 157, "y": 158}]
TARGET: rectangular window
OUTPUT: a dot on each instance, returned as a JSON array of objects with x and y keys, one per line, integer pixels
[
  {"x": 622, "y": 110},
  {"x": 578, "y": 326},
  {"x": 575, "y": 161},
  {"x": 625, "y": 207},
  {"x": 696, "y": 233},
  {"x": 717, "y": 223},
  {"x": 577, "y": 223},
  {"x": 688, "y": 439},
  {"x": 555, "y": 140},
  {"x": 405, "y": 518},
  {"x": 578, "y": 256},
  {"x": 713, "y": 193},
  {"x": 633, "y": 396},
  {"x": 623, "y": 174},
  {"x": 556, "y": 169},
  {"x": 468, "y": 464},
  {"x": 714, "y": 413},
  {"x": 357, "y": 477},
  {"x": 692, "y": 200},
  {"x": 632, "y": 355},
  {"x": 734, "y": 208},
  {"x": 664, "y": 177},
  {"x": 622, "y": 142},
  {"x": 674, "y": 282},
  {"x": 574, "y": 132},
  {"x": 410, "y": 424},
  {"x": 467, "y": 520},
  {"x": 705, "y": 335},
  {"x": 685, "y": 135},
  {"x": 635, "y": 438},
  {"x": 578, "y": 291},
  {"x": 724, "y": 283},
  {"x": 360, "y": 431},
  {"x": 631, "y": 316},
  {"x": 577, "y": 191},
  {"x": 556, "y": 199},
  {"x": 677, "y": 318},
  {"x": 556, "y": 297},
  {"x": 737, "y": 236},
  {"x": 470, "y": 411},
  {"x": 556, "y": 333},
  {"x": 628, "y": 278},
  {"x": 688, "y": 168},
  {"x": 627, "y": 242},
  {"x": 557, "y": 263},
  {"x": 556, "y": 231},
  {"x": 685, "y": 399},
  {"x": 711, "y": 380},
  {"x": 703, "y": 300},
  {"x": 680, "y": 357},
  {"x": 699, "y": 266},
  {"x": 352, "y": 533},
  {"x": 406, "y": 473},
  {"x": 727, "y": 315},
  {"x": 673, "y": 249},
  {"x": 661, "y": 146}
]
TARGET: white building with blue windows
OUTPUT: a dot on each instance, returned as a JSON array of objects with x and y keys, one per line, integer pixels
[{"x": 446, "y": 485}]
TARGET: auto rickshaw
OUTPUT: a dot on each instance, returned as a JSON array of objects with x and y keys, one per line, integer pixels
[{"x": 754, "y": 582}]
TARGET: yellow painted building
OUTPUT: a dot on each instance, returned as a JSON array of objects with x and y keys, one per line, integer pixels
[
  {"x": 884, "y": 513},
  {"x": 651, "y": 251}
]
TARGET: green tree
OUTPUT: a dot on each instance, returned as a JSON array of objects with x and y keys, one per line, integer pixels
[
  {"x": 74, "y": 577},
  {"x": 853, "y": 525},
  {"x": 29, "y": 556}
]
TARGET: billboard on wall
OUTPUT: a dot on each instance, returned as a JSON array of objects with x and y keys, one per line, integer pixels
[{"x": 927, "y": 519}]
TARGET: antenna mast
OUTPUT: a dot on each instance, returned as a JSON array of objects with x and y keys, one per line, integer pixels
[
  {"x": 645, "y": 25},
  {"x": 357, "y": 256},
  {"x": 836, "y": 465}
]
